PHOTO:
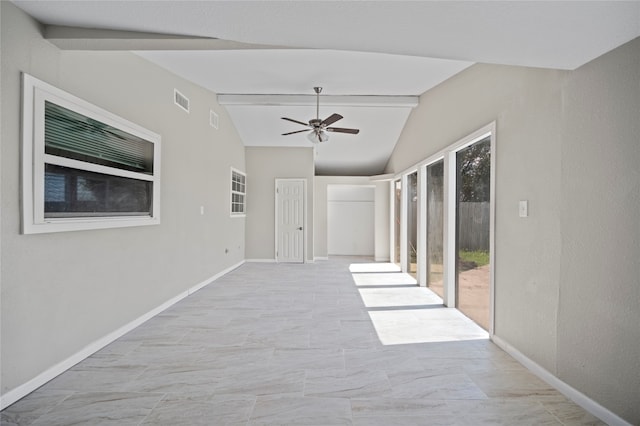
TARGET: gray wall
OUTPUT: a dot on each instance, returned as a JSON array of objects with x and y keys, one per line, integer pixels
[
  {"x": 264, "y": 166},
  {"x": 567, "y": 277},
  {"x": 63, "y": 291}
]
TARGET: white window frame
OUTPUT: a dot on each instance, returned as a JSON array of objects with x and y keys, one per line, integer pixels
[
  {"x": 232, "y": 192},
  {"x": 34, "y": 94}
]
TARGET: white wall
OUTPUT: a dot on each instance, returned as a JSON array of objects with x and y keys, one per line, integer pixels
[
  {"x": 350, "y": 220},
  {"x": 264, "y": 166},
  {"x": 62, "y": 292},
  {"x": 566, "y": 277}
]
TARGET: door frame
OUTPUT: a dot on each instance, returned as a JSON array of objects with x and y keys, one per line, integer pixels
[{"x": 304, "y": 216}]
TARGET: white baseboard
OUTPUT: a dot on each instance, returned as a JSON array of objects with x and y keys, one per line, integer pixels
[
  {"x": 573, "y": 394},
  {"x": 215, "y": 277},
  {"x": 321, "y": 258},
  {"x": 260, "y": 261},
  {"x": 382, "y": 259},
  {"x": 23, "y": 390}
]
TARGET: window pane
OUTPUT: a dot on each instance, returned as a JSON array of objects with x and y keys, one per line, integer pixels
[
  {"x": 472, "y": 217},
  {"x": 435, "y": 226},
  {"x": 237, "y": 208},
  {"x": 396, "y": 225},
  {"x": 412, "y": 223},
  {"x": 54, "y": 187},
  {"x": 72, "y": 193},
  {"x": 72, "y": 135},
  {"x": 237, "y": 192}
]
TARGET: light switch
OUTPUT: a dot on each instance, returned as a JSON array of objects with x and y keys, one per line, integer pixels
[
  {"x": 201, "y": 209},
  {"x": 523, "y": 208}
]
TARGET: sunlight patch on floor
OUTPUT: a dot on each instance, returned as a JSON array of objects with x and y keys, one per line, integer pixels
[
  {"x": 383, "y": 279},
  {"x": 373, "y": 267},
  {"x": 398, "y": 327},
  {"x": 403, "y": 313}
]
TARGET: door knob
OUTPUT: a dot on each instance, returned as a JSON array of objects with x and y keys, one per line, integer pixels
[{"x": 300, "y": 228}]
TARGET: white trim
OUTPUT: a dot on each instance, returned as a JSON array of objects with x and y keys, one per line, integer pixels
[
  {"x": 382, "y": 259},
  {"x": 381, "y": 178},
  {"x": 449, "y": 237},
  {"x": 260, "y": 260},
  {"x": 96, "y": 168},
  {"x": 570, "y": 392},
  {"x": 492, "y": 228},
  {"x": 26, "y": 388},
  {"x": 392, "y": 223},
  {"x": 321, "y": 258}
]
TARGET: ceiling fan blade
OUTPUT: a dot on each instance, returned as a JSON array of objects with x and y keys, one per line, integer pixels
[
  {"x": 331, "y": 119},
  {"x": 297, "y": 131},
  {"x": 342, "y": 130},
  {"x": 295, "y": 121}
]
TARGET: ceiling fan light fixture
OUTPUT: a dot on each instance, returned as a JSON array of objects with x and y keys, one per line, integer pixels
[
  {"x": 319, "y": 127},
  {"x": 317, "y": 136}
]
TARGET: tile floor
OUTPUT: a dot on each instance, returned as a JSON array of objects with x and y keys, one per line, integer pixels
[{"x": 338, "y": 342}]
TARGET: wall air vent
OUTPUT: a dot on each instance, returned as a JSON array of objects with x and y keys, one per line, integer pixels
[
  {"x": 181, "y": 100},
  {"x": 213, "y": 119}
]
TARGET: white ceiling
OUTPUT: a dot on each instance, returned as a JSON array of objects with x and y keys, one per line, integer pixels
[{"x": 353, "y": 48}]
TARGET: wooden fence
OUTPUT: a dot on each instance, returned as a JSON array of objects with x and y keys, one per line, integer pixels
[{"x": 473, "y": 226}]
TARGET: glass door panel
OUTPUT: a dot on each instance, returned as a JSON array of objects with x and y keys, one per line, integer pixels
[
  {"x": 473, "y": 182},
  {"x": 435, "y": 226},
  {"x": 412, "y": 223},
  {"x": 397, "y": 202}
]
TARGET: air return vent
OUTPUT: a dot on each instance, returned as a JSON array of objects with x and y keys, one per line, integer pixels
[
  {"x": 213, "y": 119},
  {"x": 181, "y": 100}
]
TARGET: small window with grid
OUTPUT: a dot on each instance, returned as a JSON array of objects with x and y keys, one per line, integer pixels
[{"x": 238, "y": 193}]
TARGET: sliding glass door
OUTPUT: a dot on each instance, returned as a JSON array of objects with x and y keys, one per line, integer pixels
[
  {"x": 442, "y": 229},
  {"x": 473, "y": 183},
  {"x": 435, "y": 227},
  {"x": 397, "y": 204},
  {"x": 412, "y": 224}
]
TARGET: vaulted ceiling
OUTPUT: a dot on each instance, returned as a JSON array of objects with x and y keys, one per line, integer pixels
[{"x": 373, "y": 59}]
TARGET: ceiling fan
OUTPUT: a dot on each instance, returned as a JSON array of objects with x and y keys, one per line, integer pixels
[{"x": 319, "y": 128}]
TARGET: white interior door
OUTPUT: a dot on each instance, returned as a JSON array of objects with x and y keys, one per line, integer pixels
[{"x": 290, "y": 230}]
